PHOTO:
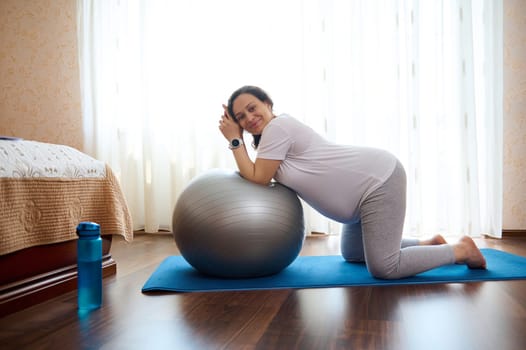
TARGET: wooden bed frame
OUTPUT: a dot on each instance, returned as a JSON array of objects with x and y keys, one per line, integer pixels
[{"x": 33, "y": 275}]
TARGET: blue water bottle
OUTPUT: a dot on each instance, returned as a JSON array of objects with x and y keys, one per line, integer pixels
[{"x": 89, "y": 266}]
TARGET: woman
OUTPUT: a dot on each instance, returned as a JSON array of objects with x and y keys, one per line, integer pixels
[{"x": 363, "y": 188}]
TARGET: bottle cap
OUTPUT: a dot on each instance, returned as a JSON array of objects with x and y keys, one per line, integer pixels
[{"x": 88, "y": 229}]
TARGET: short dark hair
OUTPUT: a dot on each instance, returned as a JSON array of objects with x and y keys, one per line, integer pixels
[{"x": 255, "y": 91}]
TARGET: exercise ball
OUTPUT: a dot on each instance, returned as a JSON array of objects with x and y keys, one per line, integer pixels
[{"x": 227, "y": 226}]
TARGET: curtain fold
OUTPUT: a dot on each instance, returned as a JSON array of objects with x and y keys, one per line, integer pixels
[{"x": 420, "y": 79}]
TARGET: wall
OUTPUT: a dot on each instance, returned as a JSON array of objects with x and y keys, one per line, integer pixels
[
  {"x": 40, "y": 93},
  {"x": 514, "y": 187},
  {"x": 39, "y": 75}
]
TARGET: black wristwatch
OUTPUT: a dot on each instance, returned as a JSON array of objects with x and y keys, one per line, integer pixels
[{"x": 235, "y": 143}]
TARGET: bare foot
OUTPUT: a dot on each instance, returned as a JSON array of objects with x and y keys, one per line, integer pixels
[
  {"x": 467, "y": 252},
  {"x": 435, "y": 240}
]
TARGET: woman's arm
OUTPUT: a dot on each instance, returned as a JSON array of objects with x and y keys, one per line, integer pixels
[{"x": 262, "y": 170}]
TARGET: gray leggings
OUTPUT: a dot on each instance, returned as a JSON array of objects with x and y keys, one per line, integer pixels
[{"x": 377, "y": 237}]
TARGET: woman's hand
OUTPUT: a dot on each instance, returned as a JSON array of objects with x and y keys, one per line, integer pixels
[
  {"x": 229, "y": 127},
  {"x": 262, "y": 170}
]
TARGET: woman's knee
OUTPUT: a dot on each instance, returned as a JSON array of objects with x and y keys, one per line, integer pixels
[
  {"x": 353, "y": 256},
  {"x": 351, "y": 243},
  {"x": 353, "y": 252},
  {"x": 383, "y": 270}
]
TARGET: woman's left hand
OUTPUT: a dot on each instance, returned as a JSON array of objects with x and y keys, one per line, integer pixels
[
  {"x": 262, "y": 170},
  {"x": 228, "y": 126}
]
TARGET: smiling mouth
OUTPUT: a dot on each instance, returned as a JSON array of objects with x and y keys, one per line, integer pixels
[{"x": 255, "y": 124}]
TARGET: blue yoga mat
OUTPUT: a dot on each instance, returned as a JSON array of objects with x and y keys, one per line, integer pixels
[{"x": 176, "y": 275}]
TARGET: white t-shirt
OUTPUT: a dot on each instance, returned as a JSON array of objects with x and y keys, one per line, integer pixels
[{"x": 334, "y": 179}]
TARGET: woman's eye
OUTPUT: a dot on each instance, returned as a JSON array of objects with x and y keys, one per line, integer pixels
[{"x": 251, "y": 109}]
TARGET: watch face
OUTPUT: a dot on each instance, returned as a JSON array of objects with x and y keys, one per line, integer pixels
[{"x": 235, "y": 143}]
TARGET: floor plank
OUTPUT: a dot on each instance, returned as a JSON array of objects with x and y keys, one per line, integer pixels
[{"x": 482, "y": 315}]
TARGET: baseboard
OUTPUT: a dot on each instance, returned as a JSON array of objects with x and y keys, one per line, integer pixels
[{"x": 513, "y": 233}]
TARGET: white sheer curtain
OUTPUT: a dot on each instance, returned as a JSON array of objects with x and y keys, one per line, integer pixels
[{"x": 421, "y": 79}]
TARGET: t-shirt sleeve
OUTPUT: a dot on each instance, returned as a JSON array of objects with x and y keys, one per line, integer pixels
[{"x": 275, "y": 142}]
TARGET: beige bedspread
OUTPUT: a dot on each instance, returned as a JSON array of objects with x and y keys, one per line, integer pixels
[{"x": 43, "y": 210}]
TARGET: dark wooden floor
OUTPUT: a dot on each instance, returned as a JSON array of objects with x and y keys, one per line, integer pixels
[{"x": 488, "y": 315}]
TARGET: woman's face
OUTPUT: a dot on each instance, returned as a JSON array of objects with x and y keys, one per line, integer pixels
[{"x": 251, "y": 113}]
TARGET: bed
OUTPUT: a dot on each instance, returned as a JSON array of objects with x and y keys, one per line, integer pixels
[{"x": 45, "y": 191}]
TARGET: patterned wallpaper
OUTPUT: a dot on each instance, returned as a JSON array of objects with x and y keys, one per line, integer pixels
[
  {"x": 40, "y": 90},
  {"x": 39, "y": 79},
  {"x": 514, "y": 203}
]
